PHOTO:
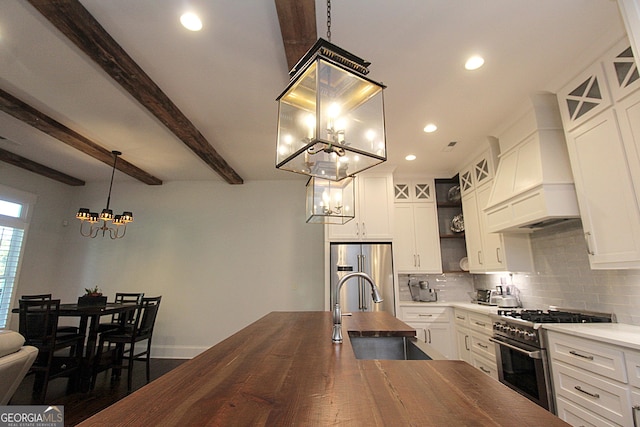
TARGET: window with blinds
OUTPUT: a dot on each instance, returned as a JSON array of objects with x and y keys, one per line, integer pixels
[
  {"x": 10, "y": 244},
  {"x": 12, "y": 228}
]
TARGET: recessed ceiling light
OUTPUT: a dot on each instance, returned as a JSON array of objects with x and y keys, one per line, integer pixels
[
  {"x": 430, "y": 128},
  {"x": 410, "y": 157},
  {"x": 474, "y": 63},
  {"x": 191, "y": 21}
]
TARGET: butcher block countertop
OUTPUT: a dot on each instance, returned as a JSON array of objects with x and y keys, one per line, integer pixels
[{"x": 283, "y": 370}]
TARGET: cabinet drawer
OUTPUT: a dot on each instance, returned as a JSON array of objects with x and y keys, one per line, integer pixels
[
  {"x": 480, "y": 322},
  {"x": 461, "y": 317},
  {"x": 598, "y": 358},
  {"x": 633, "y": 367},
  {"x": 481, "y": 345},
  {"x": 425, "y": 314},
  {"x": 577, "y": 416},
  {"x": 485, "y": 365},
  {"x": 609, "y": 400}
]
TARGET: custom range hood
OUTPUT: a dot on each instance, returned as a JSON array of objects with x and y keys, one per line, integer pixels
[{"x": 533, "y": 187}]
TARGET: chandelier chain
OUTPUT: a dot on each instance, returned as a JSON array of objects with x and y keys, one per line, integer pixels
[{"x": 329, "y": 20}]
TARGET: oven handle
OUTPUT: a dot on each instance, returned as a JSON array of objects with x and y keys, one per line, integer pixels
[{"x": 532, "y": 354}]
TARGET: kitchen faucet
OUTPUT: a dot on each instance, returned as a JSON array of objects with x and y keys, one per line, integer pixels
[{"x": 337, "y": 313}]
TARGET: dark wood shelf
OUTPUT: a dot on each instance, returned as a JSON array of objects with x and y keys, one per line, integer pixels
[
  {"x": 450, "y": 205},
  {"x": 452, "y": 236}
]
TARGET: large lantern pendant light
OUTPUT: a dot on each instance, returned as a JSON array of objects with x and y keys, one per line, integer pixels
[{"x": 330, "y": 116}]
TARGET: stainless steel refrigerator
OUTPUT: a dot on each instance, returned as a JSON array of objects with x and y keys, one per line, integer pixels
[{"x": 376, "y": 260}]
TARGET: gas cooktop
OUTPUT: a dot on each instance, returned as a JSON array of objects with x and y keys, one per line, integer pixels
[{"x": 557, "y": 316}]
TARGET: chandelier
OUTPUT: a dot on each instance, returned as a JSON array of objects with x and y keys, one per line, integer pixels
[
  {"x": 330, "y": 116},
  {"x": 119, "y": 222}
]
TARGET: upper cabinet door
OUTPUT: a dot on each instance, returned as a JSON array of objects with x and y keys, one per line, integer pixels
[
  {"x": 621, "y": 70},
  {"x": 584, "y": 97},
  {"x": 374, "y": 211},
  {"x": 413, "y": 190},
  {"x": 481, "y": 170},
  {"x": 606, "y": 195}
]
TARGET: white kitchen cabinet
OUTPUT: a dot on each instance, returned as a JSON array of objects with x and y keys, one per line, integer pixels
[
  {"x": 416, "y": 240},
  {"x": 606, "y": 195},
  {"x": 374, "y": 211},
  {"x": 473, "y": 331},
  {"x": 592, "y": 383},
  {"x": 603, "y": 141},
  {"x": 433, "y": 327},
  {"x": 486, "y": 365},
  {"x": 490, "y": 252}
]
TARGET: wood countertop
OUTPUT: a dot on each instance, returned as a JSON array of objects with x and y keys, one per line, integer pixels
[{"x": 284, "y": 370}]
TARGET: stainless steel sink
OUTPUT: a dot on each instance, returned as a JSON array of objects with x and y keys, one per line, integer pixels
[{"x": 387, "y": 348}]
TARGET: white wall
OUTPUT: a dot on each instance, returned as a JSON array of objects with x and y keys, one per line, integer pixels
[{"x": 221, "y": 256}]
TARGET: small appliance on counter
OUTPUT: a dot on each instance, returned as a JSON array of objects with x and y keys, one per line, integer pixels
[
  {"x": 420, "y": 291},
  {"x": 486, "y": 297},
  {"x": 498, "y": 297}
]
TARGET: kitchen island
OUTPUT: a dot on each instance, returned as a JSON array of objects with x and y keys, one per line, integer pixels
[{"x": 284, "y": 370}]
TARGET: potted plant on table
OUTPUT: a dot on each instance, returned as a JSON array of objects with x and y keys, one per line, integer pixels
[{"x": 92, "y": 298}]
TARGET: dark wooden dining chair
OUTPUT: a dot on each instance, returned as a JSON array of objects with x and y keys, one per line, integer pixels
[
  {"x": 117, "y": 319},
  {"x": 42, "y": 297},
  {"x": 59, "y": 355},
  {"x": 125, "y": 344}
]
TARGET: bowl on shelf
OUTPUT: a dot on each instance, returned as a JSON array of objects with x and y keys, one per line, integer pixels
[
  {"x": 454, "y": 194},
  {"x": 457, "y": 224}
]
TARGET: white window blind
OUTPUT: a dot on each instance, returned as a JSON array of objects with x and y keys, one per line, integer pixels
[{"x": 10, "y": 244}]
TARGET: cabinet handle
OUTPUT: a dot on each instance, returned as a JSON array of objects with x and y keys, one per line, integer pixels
[
  {"x": 414, "y": 260},
  {"x": 586, "y": 238},
  {"x": 418, "y": 260},
  {"x": 466, "y": 342},
  {"x": 635, "y": 409},
  {"x": 425, "y": 315},
  {"x": 460, "y": 317},
  {"x": 357, "y": 229},
  {"x": 364, "y": 230},
  {"x": 594, "y": 395},
  {"x": 575, "y": 353},
  {"x": 429, "y": 335},
  {"x": 479, "y": 260},
  {"x": 482, "y": 368},
  {"x": 498, "y": 255},
  {"x": 480, "y": 324},
  {"x": 482, "y": 346}
]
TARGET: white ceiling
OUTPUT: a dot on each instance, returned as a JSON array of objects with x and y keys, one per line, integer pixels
[{"x": 226, "y": 77}]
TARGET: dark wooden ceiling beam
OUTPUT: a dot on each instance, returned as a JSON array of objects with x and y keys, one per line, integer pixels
[
  {"x": 24, "y": 163},
  {"x": 28, "y": 114},
  {"x": 79, "y": 26},
  {"x": 297, "y": 20}
]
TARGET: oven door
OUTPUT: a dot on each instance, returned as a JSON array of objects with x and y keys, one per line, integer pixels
[{"x": 524, "y": 369}]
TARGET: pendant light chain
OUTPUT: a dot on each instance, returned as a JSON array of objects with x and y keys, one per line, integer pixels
[{"x": 329, "y": 20}]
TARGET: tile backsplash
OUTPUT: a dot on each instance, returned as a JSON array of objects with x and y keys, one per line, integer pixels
[
  {"x": 564, "y": 279},
  {"x": 450, "y": 286}
]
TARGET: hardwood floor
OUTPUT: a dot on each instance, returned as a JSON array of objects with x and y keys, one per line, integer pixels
[{"x": 80, "y": 406}]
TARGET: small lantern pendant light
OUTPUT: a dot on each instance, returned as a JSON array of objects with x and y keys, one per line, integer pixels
[
  {"x": 330, "y": 116},
  {"x": 330, "y": 202}
]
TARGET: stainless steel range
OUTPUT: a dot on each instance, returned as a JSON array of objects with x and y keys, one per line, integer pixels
[{"x": 521, "y": 351}]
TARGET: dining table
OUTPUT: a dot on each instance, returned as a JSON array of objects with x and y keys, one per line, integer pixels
[{"x": 89, "y": 320}]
